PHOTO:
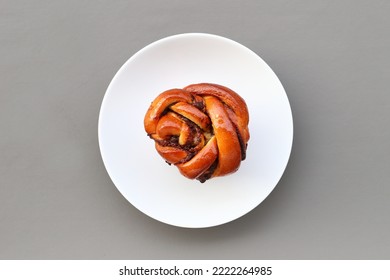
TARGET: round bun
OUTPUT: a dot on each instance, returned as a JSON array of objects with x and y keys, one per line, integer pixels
[{"x": 202, "y": 129}]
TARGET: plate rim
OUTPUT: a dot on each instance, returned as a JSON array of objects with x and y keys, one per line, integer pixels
[{"x": 173, "y": 37}]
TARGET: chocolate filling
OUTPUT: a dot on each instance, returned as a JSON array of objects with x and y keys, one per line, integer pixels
[
  {"x": 243, "y": 146},
  {"x": 200, "y": 105},
  {"x": 195, "y": 138},
  {"x": 172, "y": 141},
  {"x": 208, "y": 173}
]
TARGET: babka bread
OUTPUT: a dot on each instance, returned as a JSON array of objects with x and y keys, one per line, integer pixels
[{"x": 202, "y": 129}]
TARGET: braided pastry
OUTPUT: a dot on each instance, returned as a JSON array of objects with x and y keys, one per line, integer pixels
[{"x": 202, "y": 129}]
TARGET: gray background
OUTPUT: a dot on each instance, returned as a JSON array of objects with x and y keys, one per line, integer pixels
[{"x": 57, "y": 59}]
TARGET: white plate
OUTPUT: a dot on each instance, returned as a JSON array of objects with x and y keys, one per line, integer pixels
[{"x": 142, "y": 176}]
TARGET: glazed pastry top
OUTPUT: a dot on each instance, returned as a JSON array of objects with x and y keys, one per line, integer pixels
[{"x": 202, "y": 129}]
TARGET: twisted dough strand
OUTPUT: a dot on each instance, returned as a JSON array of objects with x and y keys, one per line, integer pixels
[{"x": 202, "y": 129}]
